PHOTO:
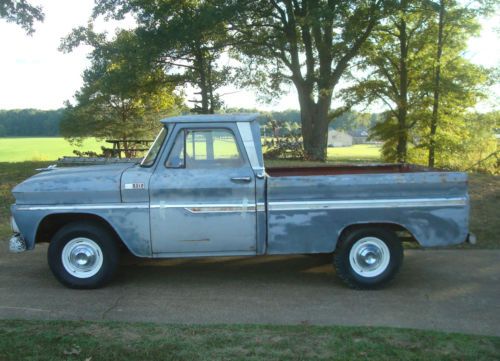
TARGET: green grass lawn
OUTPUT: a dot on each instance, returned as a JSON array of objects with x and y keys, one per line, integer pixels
[
  {"x": 355, "y": 153},
  {"x": 41, "y": 149},
  {"x": 59, "y": 340},
  {"x": 51, "y": 148}
]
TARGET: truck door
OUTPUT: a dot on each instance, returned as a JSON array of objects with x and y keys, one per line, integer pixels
[{"x": 202, "y": 194}]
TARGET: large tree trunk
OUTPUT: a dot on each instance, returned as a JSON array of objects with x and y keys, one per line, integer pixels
[
  {"x": 402, "y": 145},
  {"x": 314, "y": 119},
  {"x": 202, "y": 82},
  {"x": 437, "y": 81}
]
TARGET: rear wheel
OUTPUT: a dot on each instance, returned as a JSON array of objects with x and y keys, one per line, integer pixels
[
  {"x": 368, "y": 258},
  {"x": 83, "y": 255}
]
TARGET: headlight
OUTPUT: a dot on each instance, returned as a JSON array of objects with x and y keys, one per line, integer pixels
[{"x": 13, "y": 225}]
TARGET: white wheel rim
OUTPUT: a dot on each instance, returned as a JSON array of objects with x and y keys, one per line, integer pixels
[
  {"x": 82, "y": 257},
  {"x": 369, "y": 257}
]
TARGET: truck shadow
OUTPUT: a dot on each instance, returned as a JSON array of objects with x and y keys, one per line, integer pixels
[{"x": 295, "y": 269}]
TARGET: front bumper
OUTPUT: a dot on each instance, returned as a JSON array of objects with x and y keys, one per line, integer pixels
[
  {"x": 17, "y": 244},
  {"x": 471, "y": 238}
]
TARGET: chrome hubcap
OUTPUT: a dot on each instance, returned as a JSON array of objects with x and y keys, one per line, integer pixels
[
  {"x": 82, "y": 257},
  {"x": 369, "y": 256}
]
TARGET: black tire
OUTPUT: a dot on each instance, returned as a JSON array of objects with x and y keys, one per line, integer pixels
[
  {"x": 107, "y": 248},
  {"x": 345, "y": 265}
]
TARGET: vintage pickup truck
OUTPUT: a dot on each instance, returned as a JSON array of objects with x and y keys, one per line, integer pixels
[{"x": 202, "y": 190}]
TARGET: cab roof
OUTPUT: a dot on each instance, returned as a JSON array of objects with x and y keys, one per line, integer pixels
[{"x": 212, "y": 118}]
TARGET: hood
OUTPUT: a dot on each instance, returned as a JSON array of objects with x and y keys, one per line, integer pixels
[{"x": 73, "y": 185}]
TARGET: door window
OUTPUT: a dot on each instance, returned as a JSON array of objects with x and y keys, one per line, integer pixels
[{"x": 205, "y": 148}]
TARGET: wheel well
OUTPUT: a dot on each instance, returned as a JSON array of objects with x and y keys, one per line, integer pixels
[
  {"x": 53, "y": 222},
  {"x": 403, "y": 234}
]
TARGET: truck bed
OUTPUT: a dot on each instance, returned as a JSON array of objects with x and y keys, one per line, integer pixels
[
  {"x": 309, "y": 207},
  {"x": 345, "y": 169}
]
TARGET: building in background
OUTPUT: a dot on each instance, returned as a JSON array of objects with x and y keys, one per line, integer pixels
[{"x": 338, "y": 138}]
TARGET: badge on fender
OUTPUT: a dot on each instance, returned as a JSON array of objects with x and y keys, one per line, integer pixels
[{"x": 134, "y": 186}]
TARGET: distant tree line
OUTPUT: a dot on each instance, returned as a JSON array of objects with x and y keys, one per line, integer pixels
[
  {"x": 47, "y": 123},
  {"x": 30, "y": 123}
]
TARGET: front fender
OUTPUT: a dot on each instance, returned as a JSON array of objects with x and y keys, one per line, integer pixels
[{"x": 129, "y": 221}]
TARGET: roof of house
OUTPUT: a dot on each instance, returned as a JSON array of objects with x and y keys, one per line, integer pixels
[{"x": 213, "y": 118}]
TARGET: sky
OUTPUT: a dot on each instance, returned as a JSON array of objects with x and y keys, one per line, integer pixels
[{"x": 34, "y": 74}]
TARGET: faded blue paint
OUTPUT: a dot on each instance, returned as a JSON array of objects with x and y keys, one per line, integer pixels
[
  {"x": 73, "y": 185},
  {"x": 171, "y": 188},
  {"x": 159, "y": 211},
  {"x": 132, "y": 225},
  {"x": 313, "y": 231}
]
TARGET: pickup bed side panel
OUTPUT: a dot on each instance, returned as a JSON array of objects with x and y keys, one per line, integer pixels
[{"x": 307, "y": 214}]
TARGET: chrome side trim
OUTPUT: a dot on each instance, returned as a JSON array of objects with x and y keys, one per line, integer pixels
[
  {"x": 376, "y": 203},
  {"x": 82, "y": 207},
  {"x": 214, "y": 208},
  {"x": 260, "y": 207},
  {"x": 193, "y": 208}
]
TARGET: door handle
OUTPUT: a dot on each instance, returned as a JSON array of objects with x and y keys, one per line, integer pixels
[{"x": 241, "y": 179}]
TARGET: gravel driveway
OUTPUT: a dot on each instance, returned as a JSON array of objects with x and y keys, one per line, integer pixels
[{"x": 450, "y": 290}]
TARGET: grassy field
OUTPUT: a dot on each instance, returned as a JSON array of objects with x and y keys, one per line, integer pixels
[
  {"x": 355, "y": 153},
  {"x": 41, "y": 149},
  {"x": 57, "y": 340},
  {"x": 484, "y": 192},
  {"x": 46, "y": 149}
]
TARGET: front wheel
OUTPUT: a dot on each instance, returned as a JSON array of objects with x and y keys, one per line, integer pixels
[
  {"x": 368, "y": 258},
  {"x": 83, "y": 255}
]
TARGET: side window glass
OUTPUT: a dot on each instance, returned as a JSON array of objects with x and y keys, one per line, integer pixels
[
  {"x": 205, "y": 148},
  {"x": 176, "y": 157},
  {"x": 212, "y": 148}
]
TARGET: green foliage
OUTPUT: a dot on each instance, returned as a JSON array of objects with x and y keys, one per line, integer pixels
[
  {"x": 30, "y": 122},
  {"x": 187, "y": 37},
  {"x": 22, "y": 13},
  {"x": 122, "y": 97},
  {"x": 395, "y": 62},
  {"x": 399, "y": 68},
  {"x": 464, "y": 142},
  {"x": 308, "y": 44},
  {"x": 351, "y": 121}
]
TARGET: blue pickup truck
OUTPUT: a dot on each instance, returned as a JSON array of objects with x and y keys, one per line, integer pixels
[{"x": 202, "y": 190}]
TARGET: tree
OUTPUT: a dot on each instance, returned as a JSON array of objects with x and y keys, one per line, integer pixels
[
  {"x": 395, "y": 63},
  {"x": 30, "y": 122},
  {"x": 400, "y": 65},
  {"x": 307, "y": 43},
  {"x": 455, "y": 24},
  {"x": 437, "y": 83},
  {"x": 186, "y": 37},
  {"x": 464, "y": 141},
  {"x": 22, "y": 13},
  {"x": 121, "y": 97}
]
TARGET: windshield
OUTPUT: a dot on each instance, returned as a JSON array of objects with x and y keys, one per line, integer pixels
[{"x": 150, "y": 157}]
